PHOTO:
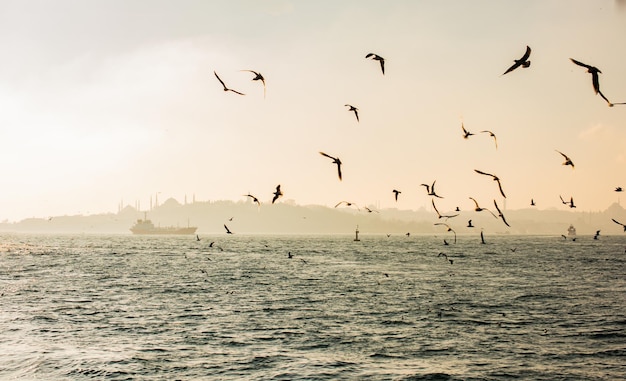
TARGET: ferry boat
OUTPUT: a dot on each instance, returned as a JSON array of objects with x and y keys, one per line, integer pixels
[
  {"x": 571, "y": 231},
  {"x": 145, "y": 226}
]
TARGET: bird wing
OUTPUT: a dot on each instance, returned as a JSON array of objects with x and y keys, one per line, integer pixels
[
  {"x": 434, "y": 207},
  {"x": 617, "y": 222},
  {"x": 564, "y": 155},
  {"x": 227, "y": 229},
  {"x": 219, "y": 79},
  {"x": 583, "y": 65},
  {"x": 382, "y": 66},
  {"x": 475, "y": 202},
  {"x": 339, "y": 170},
  {"x": 500, "y": 187},
  {"x": 236, "y": 92},
  {"x": 484, "y": 173},
  {"x": 513, "y": 67},
  {"x": 526, "y": 54},
  {"x": 596, "y": 83},
  {"x": 327, "y": 155},
  {"x": 370, "y": 55}
]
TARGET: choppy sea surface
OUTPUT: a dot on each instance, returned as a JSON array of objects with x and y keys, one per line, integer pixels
[{"x": 84, "y": 307}]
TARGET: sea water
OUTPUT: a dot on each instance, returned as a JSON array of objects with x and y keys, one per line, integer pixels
[{"x": 83, "y": 307}]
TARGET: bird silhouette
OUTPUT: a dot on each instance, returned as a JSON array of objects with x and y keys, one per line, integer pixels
[
  {"x": 356, "y": 111},
  {"x": 479, "y": 209},
  {"x": 227, "y": 229},
  {"x": 396, "y": 193},
  {"x": 495, "y": 178},
  {"x": 594, "y": 78},
  {"x": 466, "y": 133},
  {"x": 449, "y": 229},
  {"x": 619, "y": 223},
  {"x": 347, "y": 204},
  {"x": 430, "y": 189},
  {"x": 500, "y": 213},
  {"x": 619, "y": 189},
  {"x": 254, "y": 199},
  {"x": 532, "y": 202},
  {"x": 439, "y": 215},
  {"x": 570, "y": 203},
  {"x": 258, "y": 77},
  {"x": 469, "y": 224},
  {"x": 493, "y": 136},
  {"x": 335, "y": 161},
  {"x": 567, "y": 161},
  {"x": 378, "y": 58},
  {"x": 278, "y": 193},
  {"x": 224, "y": 85},
  {"x": 595, "y": 236},
  {"x": 523, "y": 62}
]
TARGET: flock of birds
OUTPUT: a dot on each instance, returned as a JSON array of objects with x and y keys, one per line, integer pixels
[{"x": 523, "y": 62}]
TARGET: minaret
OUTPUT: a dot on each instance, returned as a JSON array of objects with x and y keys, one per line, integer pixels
[{"x": 356, "y": 234}]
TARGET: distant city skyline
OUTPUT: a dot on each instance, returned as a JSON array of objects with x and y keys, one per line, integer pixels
[{"x": 110, "y": 100}]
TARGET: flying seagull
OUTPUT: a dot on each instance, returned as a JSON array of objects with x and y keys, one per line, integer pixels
[
  {"x": 469, "y": 224},
  {"x": 258, "y": 77},
  {"x": 479, "y": 209},
  {"x": 466, "y": 133},
  {"x": 495, "y": 178},
  {"x": 567, "y": 161},
  {"x": 594, "y": 78},
  {"x": 619, "y": 223},
  {"x": 347, "y": 204},
  {"x": 439, "y": 215},
  {"x": 595, "y": 236},
  {"x": 227, "y": 231},
  {"x": 356, "y": 111},
  {"x": 570, "y": 202},
  {"x": 226, "y": 88},
  {"x": 500, "y": 214},
  {"x": 493, "y": 136},
  {"x": 523, "y": 62},
  {"x": 278, "y": 193},
  {"x": 335, "y": 161},
  {"x": 254, "y": 199},
  {"x": 449, "y": 229},
  {"x": 619, "y": 189},
  {"x": 431, "y": 189},
  {"x": 378, "y": 58},
  {"x": 396, "y": 193},
  {"x": 532, "y": 202}
]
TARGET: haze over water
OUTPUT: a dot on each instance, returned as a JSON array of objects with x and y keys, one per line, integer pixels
[{"x": 79, "y": 307}]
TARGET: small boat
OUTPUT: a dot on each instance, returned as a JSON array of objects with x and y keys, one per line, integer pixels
[
  {"x": 571, "y": 231},
  {"x": 145, "y": 226}
]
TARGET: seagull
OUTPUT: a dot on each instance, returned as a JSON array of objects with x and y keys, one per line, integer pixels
[
  {"x": 197, "y": 237},
  {"x": 213, "y": 242},
  {"x": 493, "y": 136},
  {"x": 347, "y": 204},
  {"x": 449, "y": 229},
  {"x": 466, "y": 133},
  {"x": 570, "y": 202},
  {"x": 532, "y": 202},
  {"x": 594, "y": 78},
  {"x": 431, "y": 189},
  {"x": 482, "y": 238},
  {"x": 523, "y": 62},
  {"x": 258, "y": 77},
  {"x": 356, "y": 111},
  {"x": 254, "y": 199},
  {"x": 440, "y": 215},
  {"x": 278, "y": 193},
  {"x": 567, "y": 161},
  {"x": 479, "y": 209},
  {"x": 495, "y": 178},
  {"x": 378, "y": 58},
  {"x": 396, "y": 193},
  {"x": 370, "y": 210},
  {"x": 619, "y": 223},
  {"x": 500, "y": 214},
  {"x": 227, "y": 230},
  {"x": 226, "y": 88},
  {"x": 335, "y": 161},
  {"x": 597, "y": 234},
  {"x": 469, "y": 224},
  {"x": 619, "y": 189}
]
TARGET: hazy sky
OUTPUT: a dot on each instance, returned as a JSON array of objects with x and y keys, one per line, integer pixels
[{"x": 108, "y": 100}]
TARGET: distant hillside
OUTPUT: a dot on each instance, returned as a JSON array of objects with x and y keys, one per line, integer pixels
[{"x": 289, "y": 218}]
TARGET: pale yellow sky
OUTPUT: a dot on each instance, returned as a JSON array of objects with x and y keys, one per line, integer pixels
[{"x": 108, "y": 100}]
